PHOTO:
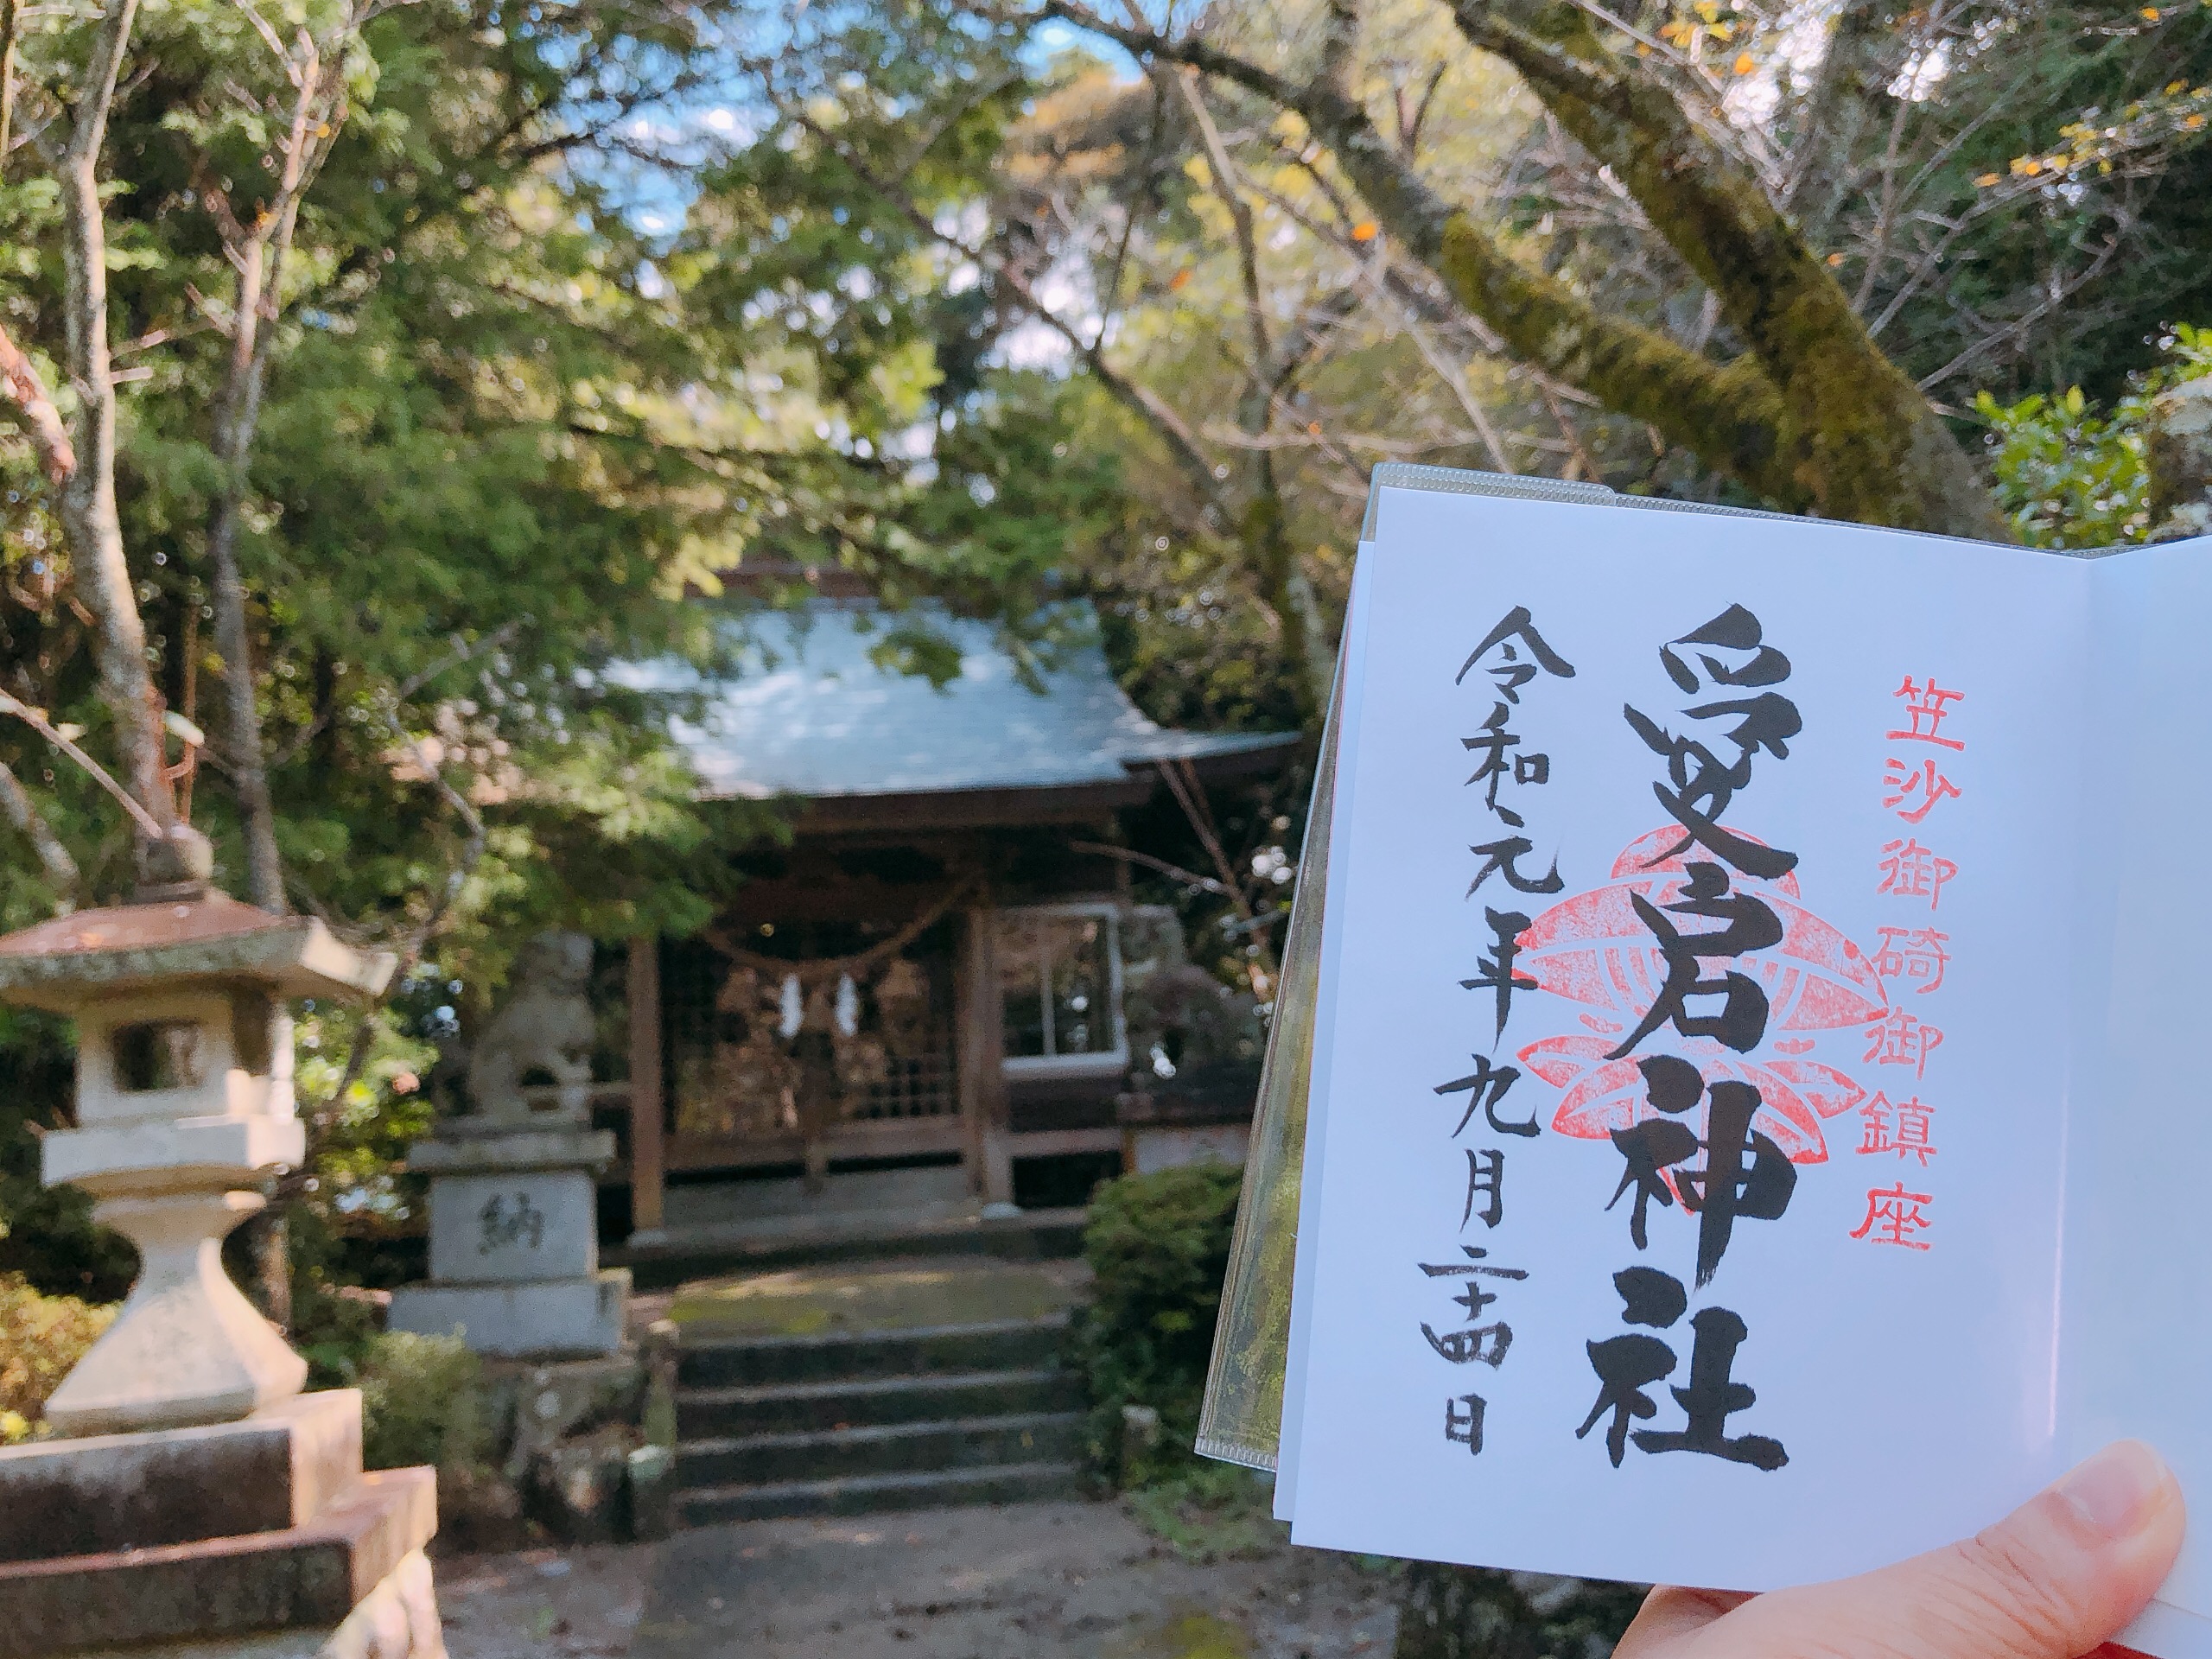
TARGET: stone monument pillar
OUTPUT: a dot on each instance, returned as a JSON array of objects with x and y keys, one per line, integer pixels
[
  {"x": 194, "y": 1493},
  {"x": 514, "y": 1226}
]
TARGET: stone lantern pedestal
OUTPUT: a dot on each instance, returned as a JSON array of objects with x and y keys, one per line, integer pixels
[
  {"x": 514, "y": 1244},
  {"x": 194, "y": 1494}
]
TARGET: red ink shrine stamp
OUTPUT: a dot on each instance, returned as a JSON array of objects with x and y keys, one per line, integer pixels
[{"x": 1893, "y": 1215}]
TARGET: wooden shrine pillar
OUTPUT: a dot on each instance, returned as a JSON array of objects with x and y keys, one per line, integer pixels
[
  {"x": 978, "y": 1016},
  {"x": 648, "y": 1097}
]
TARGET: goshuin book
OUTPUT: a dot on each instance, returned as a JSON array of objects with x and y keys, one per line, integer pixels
[{"x": 1761, "y": 1111}]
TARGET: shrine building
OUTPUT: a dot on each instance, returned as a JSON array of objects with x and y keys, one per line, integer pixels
[{"x": 938, "y": 1001}]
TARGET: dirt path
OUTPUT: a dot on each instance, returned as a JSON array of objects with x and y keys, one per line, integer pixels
[
  {"x": 544, "y": 1602},
  {"x": 1021, "y": 1581}
]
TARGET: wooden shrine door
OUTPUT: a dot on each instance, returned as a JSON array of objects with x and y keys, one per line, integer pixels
[{"x": 798, "y": 1047}]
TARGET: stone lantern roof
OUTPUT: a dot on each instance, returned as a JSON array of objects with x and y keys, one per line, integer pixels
[{"x": 62, "y": 962}]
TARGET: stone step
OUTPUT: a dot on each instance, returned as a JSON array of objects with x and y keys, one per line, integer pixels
[
  {"x": 998, "y": 1344},
  {"x": 795, "y": 1408},
  {"x": 1014, "y": 1483},
  {"x": 215, "y": 1593},
  {"x": 886, "y": 1449},
  {"x": 670, "y": 1256},
  {"x": 841, "y": 1199}
]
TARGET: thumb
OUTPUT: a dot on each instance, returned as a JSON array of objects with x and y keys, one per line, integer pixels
[{"x": 2064, "y": 1571}]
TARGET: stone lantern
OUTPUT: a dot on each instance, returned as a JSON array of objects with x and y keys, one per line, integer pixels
[
  {"x": 193, "y": 1492},
  {"x": 184, "y": 1105}
]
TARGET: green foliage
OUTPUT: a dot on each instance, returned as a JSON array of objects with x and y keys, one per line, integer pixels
[
  {"x": 1208, "y": 1511},
  {"x": 518, "y": 428},
  {"x": 1157, "y": 1246},
  {"x": 920, "y": 456},
  {"x": 2069, "y": 474},
  {"x": 354, "y": 1185},
  {"x": 333, "y": 1325},
  {"x": 47, "y": 1234},
  {"x": 41, "y": 1338},
  {"x": 422, "y": 1401},
  {"x": 471, "y": 492},
  {"x": 1473, "y": 1612}
]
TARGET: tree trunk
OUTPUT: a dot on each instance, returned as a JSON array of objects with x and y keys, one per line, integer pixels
[
  {"x": 1856, "y": 433},
  {"x": 259, "y": 256},
  {"x": 243, "y": 748},
  {"x": 264, "y": 1258},
  {"x": 1287, "y": 592},
  {"x": 266, "y": 1239},
  {"x": 88, "y": 503}
]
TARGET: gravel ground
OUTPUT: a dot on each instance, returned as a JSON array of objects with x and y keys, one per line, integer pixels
[
  {"x": 1017, "y": 1581},
  {"x": 544, "y": 1601}
]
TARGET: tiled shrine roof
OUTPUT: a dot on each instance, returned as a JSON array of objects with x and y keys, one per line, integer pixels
[{"x": 812, "y": 713}]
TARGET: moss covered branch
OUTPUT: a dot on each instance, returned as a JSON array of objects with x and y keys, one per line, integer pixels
[
  {"x": 1862, "y": 441},
  {"x": 1727, "y": 414},
  {"x": 1814, "y": 418}
]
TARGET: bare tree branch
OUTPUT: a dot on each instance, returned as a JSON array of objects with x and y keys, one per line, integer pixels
[
  {"x": 268, "y": 33},
  {"x": 1813, "y": 417},
  {"x": 2062, "y": 290},
  {"x": 38, "y": 722},
  {"x": 405, "y": 691},
  {"x": 1729, "y": 414},
  {"x": 10, "y": 19},
  {"x": 1857, "y": 430},
  {"x": 1226, "y": 190},
  {"x": 1455, "y": 376},
  {"x": 449, "y": 891},
  {"x": 21, "y": 811},
  {"x": 1885, "y": 214},
  {"x": 42, "y": 421},
  {"x": 1130, "y": 855},
  {"x": 1266, "y": 517}
]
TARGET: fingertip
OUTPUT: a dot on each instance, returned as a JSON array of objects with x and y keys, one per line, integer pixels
[
  {"x": 2123, "y": 1494},
  {"x": 2069, "y": 1569},
  {"x": 2102, "y": 1539}
]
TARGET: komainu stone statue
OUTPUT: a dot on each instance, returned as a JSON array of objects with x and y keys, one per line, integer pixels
[
  {"x": 541, "y": 1035},
  {"x": 514, "y": 1233}
]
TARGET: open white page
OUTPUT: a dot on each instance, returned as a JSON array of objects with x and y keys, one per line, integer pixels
[
  {"x": 1902, "y": 1354},
  {"x": 2136, "y": 1311}
]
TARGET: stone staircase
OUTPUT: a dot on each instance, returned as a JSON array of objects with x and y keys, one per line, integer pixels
[
  {"x": 855, "y": 1216},
  {"x": 851, "y": 1420}
]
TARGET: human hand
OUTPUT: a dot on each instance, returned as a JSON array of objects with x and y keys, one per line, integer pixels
[{"x": 2059, "y": 1576}]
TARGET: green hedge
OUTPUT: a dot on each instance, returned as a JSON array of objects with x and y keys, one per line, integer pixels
[
  {"x": 42, "y": 1340},
  {"x": 1157, "y": 1246},
  {"x": 422, "y": 1401}
]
